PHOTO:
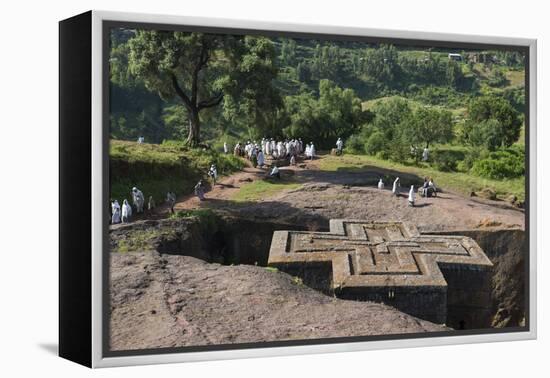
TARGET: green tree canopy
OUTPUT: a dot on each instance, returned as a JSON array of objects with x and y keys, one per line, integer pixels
[
  {"x": 336, "y": 113},
  {"x": 388, "y": 116},
  {"x": 492, "y": 122},
  {"x": 203, "y": 70},
  {"x": 429, "y": 125}
]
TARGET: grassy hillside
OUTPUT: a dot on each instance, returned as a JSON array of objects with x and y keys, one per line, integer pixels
[
  {"x": 457, "y": 182},
  {"x": 257, "y": 190},
  {"x": 158, "y": 168}
]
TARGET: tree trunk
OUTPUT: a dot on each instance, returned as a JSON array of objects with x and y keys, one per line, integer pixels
[{"x": 193, "y": 139}]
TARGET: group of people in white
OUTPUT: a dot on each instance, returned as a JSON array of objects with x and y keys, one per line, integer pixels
[
  {"x": 123, "y": 214},
  {"x": 425, "y": 153},
  {"x": 282, "y": 149},
  {"x": 255, "y": 152},
  {"x": 428, "y": 189}
]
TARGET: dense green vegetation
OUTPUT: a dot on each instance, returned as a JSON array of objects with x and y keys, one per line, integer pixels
[
  {"x": 386, "y": 101},
  {"x": 159, "y": 168}
]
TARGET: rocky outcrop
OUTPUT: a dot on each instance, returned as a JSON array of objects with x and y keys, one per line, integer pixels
[{"x": 160, "y": 301}]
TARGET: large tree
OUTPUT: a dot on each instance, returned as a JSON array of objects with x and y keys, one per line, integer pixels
[
  {"x": 429, "y": 125},
  {"x": 336, "y": 113},
  {"x": 492, "y": 122},
  {"x": 202, "y": 71}
]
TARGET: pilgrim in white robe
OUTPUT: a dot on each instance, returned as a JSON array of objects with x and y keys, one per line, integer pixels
[
  {"x": 171, "y": 201},
  {"x": 412, "y": 196},
  {"x": 261, "y": 159},
  {"x": 126, "y": 212},
  {"x": 425, "y": 154},
  {"x": 380, "y": 184},
  {"x": 339, "y": 145},
  {"x": 213, "y": 173},
  {"x": 396, "y": 187},
  {"x": 115, "y": 207},
  {"x": 312, "y": 151},
  {"x": 275, "y": 172},
  {"x": 139, "y": 199},
  {"x": 279, "y": 150}
]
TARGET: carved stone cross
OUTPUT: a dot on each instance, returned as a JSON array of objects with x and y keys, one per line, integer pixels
[{"x": 389, "y": 262}]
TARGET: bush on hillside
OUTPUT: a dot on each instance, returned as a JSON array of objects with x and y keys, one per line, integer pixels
[
  {"x": 355, "y": 144},
  {"x": 445, "y": 161},
  {"x": 503, "y": 164},
  {"x": 375, "y": 143}
]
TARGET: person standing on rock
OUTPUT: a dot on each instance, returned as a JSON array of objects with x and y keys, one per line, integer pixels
[
  {"x": 312, "y": 151},
  {"x": 339, "y": 146},
  {"x": 139, "y": 199},
  {"x": 126, "y": 212},
  {"x": 171, "y": 201},
  {"x": 380, "y": 184},
  {"x": 199, "y": 190},
  {"x": 411, "y": 196},
  {"x": 115, "y": 208},
  {"x": 396, "y": 187}
]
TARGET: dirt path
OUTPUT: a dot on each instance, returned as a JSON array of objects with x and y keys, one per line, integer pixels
[
  {"x": 228, "y": 186},
  {"x": 224, "y": 189},
  {"x": 350, "y": 194}
]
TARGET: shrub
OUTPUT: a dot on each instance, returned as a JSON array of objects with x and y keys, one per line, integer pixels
[
  {"x": 500, "y": 165},
  {"x": 497, "y": 78},
  {"x": 445, "y": 161},
  {"x": 375, "y": 143},
  {"x": 471, "y": 156},
  {"x": 355, "y": 144},
  {"x": 398, "y": 150}
]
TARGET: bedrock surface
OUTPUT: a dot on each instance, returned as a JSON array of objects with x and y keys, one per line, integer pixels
[{"x": 174, "y": 301}]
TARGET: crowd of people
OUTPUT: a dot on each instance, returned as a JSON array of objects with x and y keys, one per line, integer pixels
[
  {"x": 255, "y": 152},
  {"x": 258, "y": 152}
]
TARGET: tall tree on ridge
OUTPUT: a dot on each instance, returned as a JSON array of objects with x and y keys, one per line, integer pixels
[{"x": 197, "y": 69}]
